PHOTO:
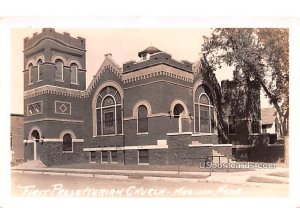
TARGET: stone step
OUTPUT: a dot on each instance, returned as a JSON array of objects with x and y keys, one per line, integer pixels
[{"x": 222, "y": 159}]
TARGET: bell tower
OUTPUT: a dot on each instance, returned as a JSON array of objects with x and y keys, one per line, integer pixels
[{"x": 54, "y": 88}]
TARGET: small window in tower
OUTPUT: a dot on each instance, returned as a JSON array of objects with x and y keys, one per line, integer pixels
[
  {"x": 59, "y": 70},
  {"x": 40, "y": 70},
  {"x": 30, "y": 81},
  {"x": 74, "y": 72}
]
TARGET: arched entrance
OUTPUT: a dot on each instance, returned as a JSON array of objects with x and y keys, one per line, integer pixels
[
  {"x": 35, "y": 136},
  {"x": 178, "y": 114}
]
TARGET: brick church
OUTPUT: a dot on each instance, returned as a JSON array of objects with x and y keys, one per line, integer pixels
[{"x": 155, "y": 111}]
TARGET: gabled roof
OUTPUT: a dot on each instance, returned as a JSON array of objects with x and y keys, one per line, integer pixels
[
  {"x": 268, "y": 115},
  {"x": 109, "y": 64}
]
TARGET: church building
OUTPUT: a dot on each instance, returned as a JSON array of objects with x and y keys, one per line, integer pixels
[{"x": 154, "y": 111}]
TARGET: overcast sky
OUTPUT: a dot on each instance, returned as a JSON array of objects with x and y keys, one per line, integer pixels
[{"x": 124, "y": 44}]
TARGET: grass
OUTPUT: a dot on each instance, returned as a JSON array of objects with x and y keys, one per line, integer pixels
[
  {"x": 182, "y": 168},
  {"x": 280, "y": 174},
  {"x": 264, "y": 180}
]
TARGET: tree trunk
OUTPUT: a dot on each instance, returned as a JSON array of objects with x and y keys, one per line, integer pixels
[{"x": 215, "y": 89}]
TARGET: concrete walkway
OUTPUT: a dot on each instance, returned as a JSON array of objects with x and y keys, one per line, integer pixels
[{"x": 241, "y": 177}]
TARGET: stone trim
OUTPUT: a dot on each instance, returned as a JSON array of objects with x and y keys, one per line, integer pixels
[
  {"x": 138, "y": 104},
  {"x": 203, "y": 134},
  {"x": 179, "y": 133},
  {"x": 241, "y": 146},
  {"x": 32, "y": 129},
  {"x": 56, "y": 41},
  {"x": 49, "y": 89},
  {"x": 28, "y": 141},
  {"x": 157, "y": 71},
  {"x": 27, "y": 108},
  {"x": 95, "y": 97},
  {"x": 34, "y": 61},
  {"x": 222, "y": 145},
  {"x": 179, "y": 101},
  {"x": 200, "y": 145},
  {"x": 62, "y": 102},
  {"x": 107, "y": 135},
  {"x": 209, "y": 145},
  {"x": 149, "y": 116},
  {"x": 54, "y": 119},
  {"x": 108, "y": 64},
  {"x": 31, "y": 61},
  {"x": 126, "y": 148},
  {"x": 54, "y": 140},
  {"x": 55, "y": 57},
  {"x": 181, "y": 85},
  {"x": 74, "y": 61}
]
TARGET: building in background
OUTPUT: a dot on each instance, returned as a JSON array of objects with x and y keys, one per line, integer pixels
[
  {"x": 270, "y": 122},
  {"x": 16, "y": 138}
]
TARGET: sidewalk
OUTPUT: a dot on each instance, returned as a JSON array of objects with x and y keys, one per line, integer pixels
[{"x": 248, "y": 177}]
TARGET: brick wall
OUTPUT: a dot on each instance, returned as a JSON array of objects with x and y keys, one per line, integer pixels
[{"x": 17, "y": 136}]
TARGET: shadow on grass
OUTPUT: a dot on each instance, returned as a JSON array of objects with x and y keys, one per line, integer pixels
[{"x": 256, "y": 179}]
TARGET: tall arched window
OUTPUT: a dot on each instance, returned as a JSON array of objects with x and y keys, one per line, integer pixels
[
  {"x": 59, "y": 70},
  {"x": 142, "y": 122},
  {"x": 67, "y": 143},
  {"x": 74, "y": 72},
  {"x": 108, "y": 111},
  {"x": 30, "y": 81},
  {"x": 40, "y": 71},
  {"x": 204, "y": 112}
]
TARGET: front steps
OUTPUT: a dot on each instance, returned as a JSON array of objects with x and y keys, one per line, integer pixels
[
  {"x": 220, "y": 159},
  {"x": 31, "y": 164}
]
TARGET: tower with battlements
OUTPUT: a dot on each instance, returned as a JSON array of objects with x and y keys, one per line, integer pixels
[{"x": 54, "y": 82}]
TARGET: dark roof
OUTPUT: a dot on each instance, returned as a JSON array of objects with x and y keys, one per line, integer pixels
[
  {"x": 149, "y": 50},
  {"x": 268, "y": 116}
]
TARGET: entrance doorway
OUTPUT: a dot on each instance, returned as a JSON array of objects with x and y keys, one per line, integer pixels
[{"x": 35, "y": 136}]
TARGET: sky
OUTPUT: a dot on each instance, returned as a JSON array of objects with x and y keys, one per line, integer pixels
[{"x": 124, "y": 45}]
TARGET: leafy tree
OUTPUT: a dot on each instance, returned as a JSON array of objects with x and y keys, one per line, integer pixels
[{"x": 258, "y": 55}]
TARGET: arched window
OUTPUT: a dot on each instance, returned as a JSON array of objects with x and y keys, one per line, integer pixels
[
  {"x": 59, "y": 70},
  {"x": 178, "y": 112},
  {"x": 142, "y": 122},
  {"x": 67, "y": 143},
  {"x": 40, "y": 71},
  {"x": 74, "y": 72},
  {"x": 30, "y": 81},
  {"x": 108, "y": 111},
  {"x": 35, "y": 135},
  {"x": 204, "y": 112}
]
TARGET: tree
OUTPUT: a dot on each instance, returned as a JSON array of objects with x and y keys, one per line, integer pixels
[
  {"x": 260, "y": 55},
  {"x": 215, "y": 89}
]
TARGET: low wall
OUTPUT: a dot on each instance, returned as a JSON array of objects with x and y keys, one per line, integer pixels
[
  {"x": 225, "y": 150},
  {"x": 267, "y": 153}
]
